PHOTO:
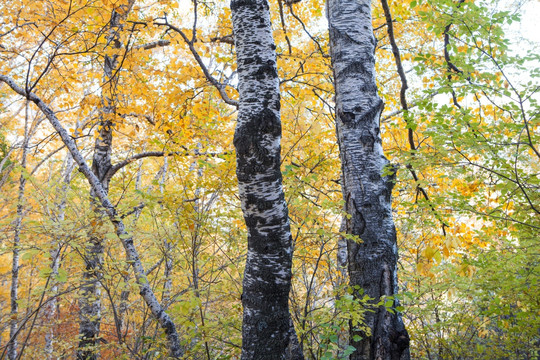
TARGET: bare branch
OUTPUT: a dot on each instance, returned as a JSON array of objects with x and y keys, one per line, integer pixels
[
  {"x": 227, "y": 39},
  {"x": 134, "y": 210},
  {"x": 152, "y": 45},
  {"x": 115, "y": 168},
  {"x": 410, "y": 106},
  {"x": 220, "y": 87},
  {"x": 289, "y": 3},
  {"x": 154, "y": 267},
  {"x": 45, "y": 159},
  {"x": 147, "y": 117},
  {"x": 405, "y": 109}
]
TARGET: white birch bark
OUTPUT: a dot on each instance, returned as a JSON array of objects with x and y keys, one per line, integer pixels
[
  {"x": 266, "y": 329},
  {"x": 167, "y": 245},
  {"x": 90, "y": 300},
  {"x": 132, "y": 255},
  {"x": 14, "y": 289},
  {"x": 124, "y": 295},
  {"x": 372, "y": 261},
  {"x": 50, "y": 307}
]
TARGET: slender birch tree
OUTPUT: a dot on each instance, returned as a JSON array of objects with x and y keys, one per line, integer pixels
[
  {"x": 132, "y": 255},
  {"x": 14, "y": 289},
  {"x": 266, "y": 331},
  {"x": 90, "y": 301},
  {"x": 50, "y": 310},
  {"x": 367, "y": 180}
]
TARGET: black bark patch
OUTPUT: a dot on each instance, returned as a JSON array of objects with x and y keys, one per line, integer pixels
[
  {"x": 169, "y": 327},
  {"x": 374, "y": 177},
  {"x": 237, "y": 4},
  {"x": 252, "y": 100},
  {"x": 389, "y": 180},
  {"x": 277, "y": 104},
  {"x": 251, "y": 221},
  {"x": 365, "y": 9},
  {"x": 367, "y": 139},
  {"x": 249, "y": 60},
  {"x": 360, "y": 66},
  {"x": 266, "y": 69},
  {"x": 270, "y": 123},
  {"x": 264, "y": 204},
  {"x": 400, "y": 341},
  {"x": 246, "y": 169},
  {"x": 252, "y": 156},
  {"x": 251, "y": 199},
  {"x": 368, "y": 88},
  {"x": 268, "y": 243},
  {"x": 374, "y": 110},
  {"x": 358, "y": 223},
  {"x": 347, "y": 117}
]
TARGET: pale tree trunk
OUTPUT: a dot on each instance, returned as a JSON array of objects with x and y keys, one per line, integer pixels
[
  {"x": 372, "y": 260},
  {"x": 199, "y": 207},
  {"x": 168, "y": 327},
  {"x": 14, "y": 290},
  {"x": 50, "y": 308},
  {"x": 121, "y": 326},
  {"x": 266, "y": 329},
  {"x": 90, "y": 301},
  {"x": 167, "y": 245}
]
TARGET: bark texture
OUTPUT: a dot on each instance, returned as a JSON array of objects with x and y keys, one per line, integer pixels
[
  {"x": 266, "y": 329},
  {"x": 372, "y": 260},
  {"x": 90, "y": 301},
  {"x": 14, "y": 288}
]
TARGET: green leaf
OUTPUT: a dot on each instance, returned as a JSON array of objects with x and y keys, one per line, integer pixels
[
  {"x": 62, "y": 275},
  {"x": 29, "y": 254}
]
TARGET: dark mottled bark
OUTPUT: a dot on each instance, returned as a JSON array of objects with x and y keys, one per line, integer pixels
[
  {"x": 266, "y": 330},
  {"x": 372, "y": 260}
]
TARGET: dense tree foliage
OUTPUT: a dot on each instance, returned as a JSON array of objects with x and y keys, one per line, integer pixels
[{"x": 155, "y": 86}]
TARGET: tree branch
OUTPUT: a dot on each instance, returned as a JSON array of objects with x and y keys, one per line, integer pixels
[
  {"x": 410, "y": 106},
  {"x": 116, "y": 167},
  {"x": 152, "y": 45},
  {"x": 405, "y": 109},
  {"x": 219, "y": 86},
  {"x": 147, "y": 117}
]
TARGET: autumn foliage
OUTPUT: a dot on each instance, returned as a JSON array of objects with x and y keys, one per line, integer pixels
[{"x": 466, "y": 196}]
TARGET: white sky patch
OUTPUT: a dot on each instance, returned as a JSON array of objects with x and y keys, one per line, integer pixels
[{"x": 528, "y": 29}]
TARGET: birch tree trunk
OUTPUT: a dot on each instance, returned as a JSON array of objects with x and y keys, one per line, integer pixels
[
  {"x": 90, "y": 301},
  {"x": 372, "y": 260},
  {"x": 14, "y": 289},
  {"x": 50, "y": 308},
  {"x": 266, "y": 329}
]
